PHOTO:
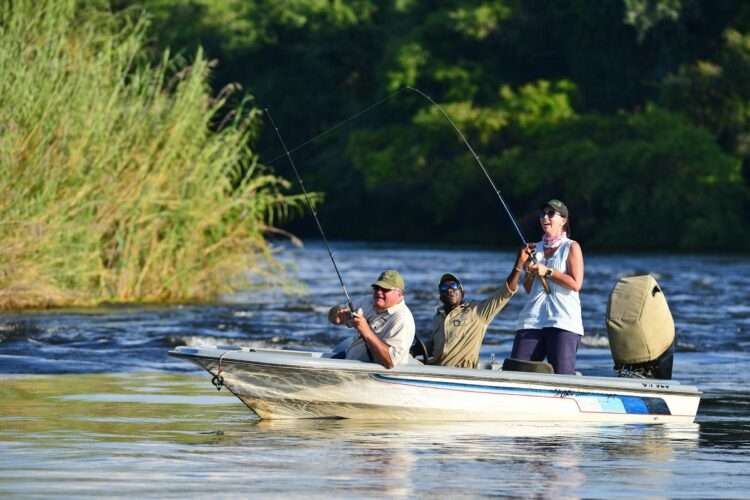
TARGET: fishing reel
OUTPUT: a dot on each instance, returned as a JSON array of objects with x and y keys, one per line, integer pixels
[{"x": 350, "y": 321}]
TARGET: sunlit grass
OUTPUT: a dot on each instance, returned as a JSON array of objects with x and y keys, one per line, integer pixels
[{"x": 121, "y": 181}]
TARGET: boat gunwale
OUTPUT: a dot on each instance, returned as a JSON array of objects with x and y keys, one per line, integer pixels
[{"x": 561, "y": 382}]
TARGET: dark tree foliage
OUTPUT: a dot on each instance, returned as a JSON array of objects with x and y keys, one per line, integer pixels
[{"x": 633, "y": 111}]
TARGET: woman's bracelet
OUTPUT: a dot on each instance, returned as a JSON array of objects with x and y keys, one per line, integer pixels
[{"x": 518, "y": 269}]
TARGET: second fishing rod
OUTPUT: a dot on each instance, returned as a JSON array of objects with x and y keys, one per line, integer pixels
[
  {"x": 542, "y": 279},
  {"x": 310, "y": 206}
]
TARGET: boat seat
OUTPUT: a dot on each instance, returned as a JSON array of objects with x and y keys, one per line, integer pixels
[
  {"x": 520, "y": 365},
  {"x": 419, "y": 348}
]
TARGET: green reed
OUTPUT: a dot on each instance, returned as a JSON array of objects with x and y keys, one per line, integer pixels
[{"x": 120, "y": 180}]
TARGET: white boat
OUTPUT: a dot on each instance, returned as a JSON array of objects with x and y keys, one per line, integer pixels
[{"x": 279, "y": 384}]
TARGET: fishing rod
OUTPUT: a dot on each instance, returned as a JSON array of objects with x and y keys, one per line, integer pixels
[
  {"x": 312, "y": 209},
  {"x": 320, "y": 226},
  {"x": 543, "y": 279}
]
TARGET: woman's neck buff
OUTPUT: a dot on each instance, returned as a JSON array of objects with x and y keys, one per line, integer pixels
[{"x": 554, "y": 241}]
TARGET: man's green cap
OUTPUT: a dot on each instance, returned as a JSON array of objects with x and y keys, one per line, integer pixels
[
  {"x": 559, "y": 207},
  {"x": 450, "y": 277},
  {"x": 390, "y": 279}
]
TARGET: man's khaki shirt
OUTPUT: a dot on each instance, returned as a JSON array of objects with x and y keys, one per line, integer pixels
[{"x": 457, "y": 337}]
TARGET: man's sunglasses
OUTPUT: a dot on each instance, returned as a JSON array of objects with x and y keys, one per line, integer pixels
[{"x": 449, "y": 286}]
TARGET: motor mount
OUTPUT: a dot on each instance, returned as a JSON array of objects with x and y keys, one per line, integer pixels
[{"x": 640, "y": 328}]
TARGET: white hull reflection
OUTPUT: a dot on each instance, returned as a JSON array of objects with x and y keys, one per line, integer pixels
[{"x": 278, "y": 384}]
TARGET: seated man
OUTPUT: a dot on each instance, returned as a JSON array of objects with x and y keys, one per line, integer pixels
[
  {"x": 458, "y": 327},
  {"x": 386, "y": 327}
]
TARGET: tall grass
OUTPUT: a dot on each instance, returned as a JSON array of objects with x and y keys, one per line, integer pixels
[{"x": 119, "y": 181}]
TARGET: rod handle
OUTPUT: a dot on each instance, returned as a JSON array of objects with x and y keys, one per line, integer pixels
[
  {"x": 545, "y": 285},
  {"x": 529, "y": 279}
]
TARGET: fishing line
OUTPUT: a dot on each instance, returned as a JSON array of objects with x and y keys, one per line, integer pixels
[
  {"x": 543, "y": 279},
  {"x": 476, "y": 157},
  {"x": 317, "y": 221},
  {"x": 311, "y": 207},
  {"x": 340, "y": 124},
  {"x": 455, "y": 127}
]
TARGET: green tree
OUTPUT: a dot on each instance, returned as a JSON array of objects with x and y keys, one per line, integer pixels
[
  {"x": 649, "y": 180},
  {"x": 516, "y": 77},
  {"x": 715, "y": 94}
]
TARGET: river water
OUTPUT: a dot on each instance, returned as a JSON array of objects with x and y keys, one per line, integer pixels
[{"x": 92, "y": 406}]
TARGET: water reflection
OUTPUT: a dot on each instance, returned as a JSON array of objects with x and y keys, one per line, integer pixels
[
  {"x": 103, "y": 407},
  {"x": 495, "y": 458},
  {"x": 447, "y": 459},
  {"x": 142, "y": 429}
]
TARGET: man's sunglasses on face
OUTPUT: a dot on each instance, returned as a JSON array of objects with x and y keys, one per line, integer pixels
[{"x": 444, "y": 287}]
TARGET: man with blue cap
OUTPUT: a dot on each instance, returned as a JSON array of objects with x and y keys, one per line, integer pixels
[{"x": 459, "y": 326}]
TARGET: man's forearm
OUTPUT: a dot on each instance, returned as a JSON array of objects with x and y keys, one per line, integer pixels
[
  {"x": 513, "y": 278},
  {"x": 378, "y": 348}
]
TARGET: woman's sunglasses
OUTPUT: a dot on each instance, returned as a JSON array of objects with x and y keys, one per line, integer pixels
[{"x": 548, "y": 213}]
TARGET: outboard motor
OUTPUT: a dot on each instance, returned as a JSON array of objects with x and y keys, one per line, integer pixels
[{"x": 640, "y": 328}]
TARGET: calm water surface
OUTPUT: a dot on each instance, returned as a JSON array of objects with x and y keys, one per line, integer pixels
[{"x": 91, "y": 405}]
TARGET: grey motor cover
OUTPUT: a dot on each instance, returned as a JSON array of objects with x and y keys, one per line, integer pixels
[{"x": 639, "y": 323}]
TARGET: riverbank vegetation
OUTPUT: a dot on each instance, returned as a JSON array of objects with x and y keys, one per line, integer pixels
[
  {"x": 127, "y": 174},
  {"x": 121, "y": 178},
  {"x": 635, "y": 112}
]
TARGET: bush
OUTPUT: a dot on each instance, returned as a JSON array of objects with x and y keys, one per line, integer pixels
[{"x": 119, "y": 180}]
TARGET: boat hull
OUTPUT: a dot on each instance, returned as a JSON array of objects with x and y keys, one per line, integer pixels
[{"x": 282, "y": 384}]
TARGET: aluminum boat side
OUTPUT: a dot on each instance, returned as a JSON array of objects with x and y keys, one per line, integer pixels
[{"x": 304, "y": 384}]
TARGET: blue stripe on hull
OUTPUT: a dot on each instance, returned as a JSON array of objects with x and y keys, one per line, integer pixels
[{"x": 607, "y": 403}]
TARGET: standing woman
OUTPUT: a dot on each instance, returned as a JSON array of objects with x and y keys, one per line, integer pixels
[{"x": 550, "y": 324}]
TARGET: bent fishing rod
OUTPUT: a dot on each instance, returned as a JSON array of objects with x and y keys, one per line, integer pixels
[
  {"x": 463, "y": 138},
  {"x": 543, "y": 279},
  {"x": 312, "y": 209}
]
